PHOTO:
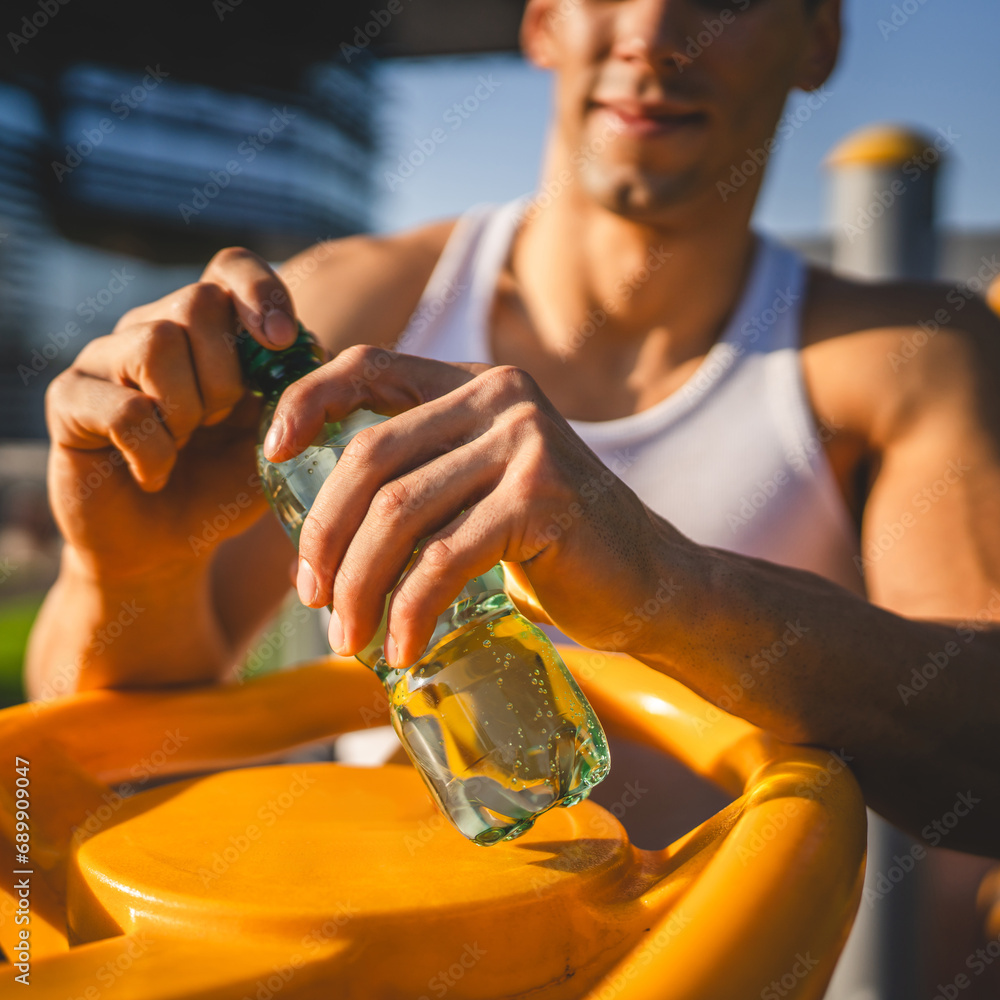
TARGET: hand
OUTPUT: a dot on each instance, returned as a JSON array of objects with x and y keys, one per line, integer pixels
[
  {"x": 153, "y": 434},
  {"x": 478, "y": 461}
]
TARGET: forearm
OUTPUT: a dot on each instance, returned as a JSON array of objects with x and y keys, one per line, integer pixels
[
  {"x": 813, "y": 663},
  {"x": 146, "y": 631},
  {"x": 251, "y": 575}
]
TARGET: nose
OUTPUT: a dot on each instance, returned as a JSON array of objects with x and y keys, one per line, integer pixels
[{"x": 648, "y": 31}]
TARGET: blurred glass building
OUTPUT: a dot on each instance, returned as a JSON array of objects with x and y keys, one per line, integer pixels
[{"x": 136, "y": 140}]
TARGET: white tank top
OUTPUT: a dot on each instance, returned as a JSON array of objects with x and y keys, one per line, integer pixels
[{"x": 733, "y": 459}]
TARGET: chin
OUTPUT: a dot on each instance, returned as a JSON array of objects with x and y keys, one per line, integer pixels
[{"x": 639, "y": 195}]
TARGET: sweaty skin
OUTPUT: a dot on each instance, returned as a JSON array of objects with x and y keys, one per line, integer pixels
[{"x": 491, "y": 458}]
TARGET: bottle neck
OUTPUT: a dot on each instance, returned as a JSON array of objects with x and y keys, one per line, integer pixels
[{"x": 268, "y": 373}]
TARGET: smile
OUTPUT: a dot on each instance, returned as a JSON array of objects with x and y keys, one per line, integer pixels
[{"x": 648, "y": 121}]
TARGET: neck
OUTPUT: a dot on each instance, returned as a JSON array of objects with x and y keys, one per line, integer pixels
[{"x": 672, "y": 281}]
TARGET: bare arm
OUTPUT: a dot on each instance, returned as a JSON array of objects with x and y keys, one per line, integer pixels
[
  {"x": 800, "y": 656},
  {"x": 908, "y": 685}
]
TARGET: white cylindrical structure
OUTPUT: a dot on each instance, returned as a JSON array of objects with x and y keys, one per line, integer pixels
[{"x": 883, "y": 186}]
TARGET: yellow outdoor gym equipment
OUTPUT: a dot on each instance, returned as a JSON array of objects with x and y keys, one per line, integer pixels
[{"x": 328, "y": 881}]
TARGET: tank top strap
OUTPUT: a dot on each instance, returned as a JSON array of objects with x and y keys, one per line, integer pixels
[
  {"x": 452, "y": 317},
  {"x": 768, "y": 316}
]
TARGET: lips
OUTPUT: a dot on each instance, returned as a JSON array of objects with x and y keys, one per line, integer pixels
[{"x": 641, "y": 119}]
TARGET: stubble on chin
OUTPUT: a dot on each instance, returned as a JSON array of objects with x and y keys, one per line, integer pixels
[{"x": 633, "y": 194}]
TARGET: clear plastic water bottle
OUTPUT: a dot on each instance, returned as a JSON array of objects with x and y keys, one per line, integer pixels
[{"x": 489, "y": 715}]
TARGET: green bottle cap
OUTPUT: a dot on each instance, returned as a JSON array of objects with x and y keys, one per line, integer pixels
[{"x": 267, "y": 373}]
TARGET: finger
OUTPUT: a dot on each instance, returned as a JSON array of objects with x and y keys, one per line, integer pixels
[
  {"x": 87, "y": 413},
  {"x": 363, "y": 377},
  {"x": 154, "y": 358},
  {"x": 259, "y": 296},
  {"x": 372, "y": 461},
  {"x": 466, "y": 548},
  {"x": 162, "y": 356},
  {"x": 205, "y": 311},
  {"x": 402, "y": 513}
]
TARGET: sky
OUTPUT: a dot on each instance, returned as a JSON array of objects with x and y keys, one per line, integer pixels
[{"x": 940, "y": 69}]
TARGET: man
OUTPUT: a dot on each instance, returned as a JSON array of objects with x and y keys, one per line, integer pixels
[{"x": 697, "y": 364}]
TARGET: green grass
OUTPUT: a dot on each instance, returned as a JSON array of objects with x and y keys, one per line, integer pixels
[{"x": 16, "y": 617}]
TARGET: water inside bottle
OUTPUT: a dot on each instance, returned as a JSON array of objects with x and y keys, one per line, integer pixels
[
  {"x": 498, "y": 727},
  {"x": 292, "y": 486}
]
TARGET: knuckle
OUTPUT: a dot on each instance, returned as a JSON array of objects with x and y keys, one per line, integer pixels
[
  {"x": 229, "y": 256},
  {"x": 391, "y": 501},
  {"x": 525, "y": 417},
  {"x": 128, "y": 318},
  {"x": 355, "y": 355},
  {"x": 511, "y": 375},
  {"x": 369, "y": 357},
  {"x": 510, "y": 382},
  {"x": 438, "y": 555},
  {"x": 134, "y": 411},
  {"x": 206, "y": 296},
  {"x": 364, "y": 448},
  {"x": 85, "y": 356},
  {"x": 159, "y": 337},
  {"x": 57, "y": 391}
]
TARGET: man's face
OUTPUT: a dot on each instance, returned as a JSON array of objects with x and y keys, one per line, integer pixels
[{"x": 656, "y": 100}]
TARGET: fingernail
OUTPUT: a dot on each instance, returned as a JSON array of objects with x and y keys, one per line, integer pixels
[
  {"x": 335, "y": 633},
  {"x": 275, "y": 435},
  {"x": 305, "y": 584},
  {"x": 279, "y": 328},
  {"x": 390, "y": 650}
]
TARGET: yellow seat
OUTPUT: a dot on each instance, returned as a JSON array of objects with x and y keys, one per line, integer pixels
[{"x": 323, "y": 880}]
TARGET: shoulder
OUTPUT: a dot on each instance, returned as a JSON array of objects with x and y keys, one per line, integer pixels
[
  {"x": 363, "y": 289},
  {"x": 884, "y": 356}
]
